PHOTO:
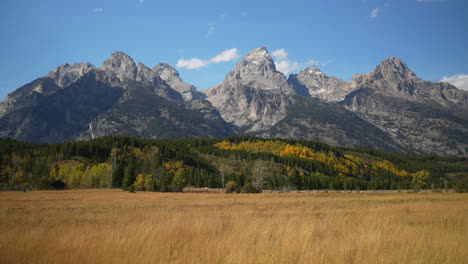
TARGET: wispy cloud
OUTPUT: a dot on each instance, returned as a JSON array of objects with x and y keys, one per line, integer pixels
[
  {"x": 458, "y": 80},
  {"x": 374, "y": 13},
  {"x": 98, "y": 10},
  {"x": 285, "y": 65},
  {"x": 222, "y": 16},
  {"x": 244, "y": 13},
  {"x": 225, "y": 56},
  {"x": 139, "y": 3},
  {"x": 196, "y": 63},
  {"x": 316, "y": 62},
  {"x": 192, "y": 64},
  {"x": 211, "y": 29}
]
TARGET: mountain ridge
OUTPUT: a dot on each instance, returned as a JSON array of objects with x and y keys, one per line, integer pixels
[{"x": 389, "y": 108}]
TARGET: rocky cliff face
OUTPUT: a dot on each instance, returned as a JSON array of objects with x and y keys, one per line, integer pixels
[
  {"x": 120, "y": 65},
  {"x": 255, "y": 95},
  {"x": 394, "y": 78},
  {"x": 419, "y": 115},
  {"x": 314, "y": 83},
  {"x": 172, "y": 78}
]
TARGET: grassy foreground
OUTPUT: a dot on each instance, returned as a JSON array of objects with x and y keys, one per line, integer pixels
[{"x": 111, "y": 226}]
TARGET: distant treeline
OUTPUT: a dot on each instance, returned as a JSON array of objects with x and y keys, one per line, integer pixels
[{"x": 244, "y": 163}]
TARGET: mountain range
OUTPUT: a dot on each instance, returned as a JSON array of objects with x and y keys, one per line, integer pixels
[{"x": 390, "y": 108}]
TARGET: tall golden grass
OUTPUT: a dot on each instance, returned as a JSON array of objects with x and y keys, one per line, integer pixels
[{"x": 111, "y": 226}]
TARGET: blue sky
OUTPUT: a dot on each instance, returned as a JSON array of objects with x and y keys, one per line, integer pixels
[{"x": 342, "y": 37}]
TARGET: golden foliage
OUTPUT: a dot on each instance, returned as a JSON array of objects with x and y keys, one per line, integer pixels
[{"x": 344, "y": 166}]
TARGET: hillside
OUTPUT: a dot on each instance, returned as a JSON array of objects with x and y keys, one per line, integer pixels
[{"x": 253, "y": 163}]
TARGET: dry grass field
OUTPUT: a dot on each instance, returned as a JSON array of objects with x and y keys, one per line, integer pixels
[{"x": 111, "y": 226}]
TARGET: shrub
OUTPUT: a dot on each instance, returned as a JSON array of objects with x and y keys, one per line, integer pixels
[
  {"x": 131, "y": 188},
  {"x": 230, "y": 187},
  {"x": 179, "y": 181},
  {"x": 249, "y": 188},
  {"x": 461, "y": 185}
]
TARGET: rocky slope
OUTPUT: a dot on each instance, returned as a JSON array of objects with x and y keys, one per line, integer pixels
[
  {"x": 172, "y": 78},
  {"x": 311, "y": 82},
  {"x": 422, "y": 116},
  {"x": 314, "y": 119}
]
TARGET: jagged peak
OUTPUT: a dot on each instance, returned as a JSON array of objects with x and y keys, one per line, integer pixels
[
  {"x": 256, "y": 62},
  {"x": 394, "y": 65},
  {"x": 165, "y": 70},
  {"x": 120, "y": 54},
  {"x": 258, "y": 53},
  {"x": 163, "y": 65},
  {"x": 261, "y": 49},
  {"x": 65, "y": 74},
  {"x": 118, "y": 58},
  {"x": 67, "y": 67},
  {"x": 314, "y": 70},
  {"x": 394, "y": 60},
  {"x": 121, "y": 64},
  {"x": 141, "y": 65}
]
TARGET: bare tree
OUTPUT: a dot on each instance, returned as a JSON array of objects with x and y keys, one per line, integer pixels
[{"x": 259, "y": 173}]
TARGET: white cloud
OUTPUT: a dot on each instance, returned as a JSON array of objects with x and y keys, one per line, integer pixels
[
  {"x": 374, "y": 13},
  {"x": 192, "y": 64},
  {"x": 211, "y": 29},
  {"x": 180, "y": 51},
  {"x": 458, "y": 80},
  {"x": 98, "y": 10},
  {"x": 227, "y": 55},
  {"x": 244, "y": 13},
  {"x": 141, "y": 1},
  {"x": 287, "y": 66},
  {"x": 195, "y": 63},
  {"x": 280, "y": 54}
]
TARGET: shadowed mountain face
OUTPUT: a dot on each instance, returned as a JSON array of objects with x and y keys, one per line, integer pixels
[
  {"x": 81, "y": 101},
  {"x": 389, "y": 108}
]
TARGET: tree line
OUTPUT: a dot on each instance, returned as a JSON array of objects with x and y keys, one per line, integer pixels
[{"x": 249, "y": 163}]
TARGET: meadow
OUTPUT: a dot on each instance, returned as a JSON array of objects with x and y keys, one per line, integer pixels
[{"x": 112, "y": 226}]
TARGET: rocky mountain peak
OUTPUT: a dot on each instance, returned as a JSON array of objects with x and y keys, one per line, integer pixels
[
  {"x": 166, "y": 71},
  {"x": 65, "y": 74},
  {"x": 258, "y": 62},
  {"x": 394, "y": 68},
  {"x": 257, "y": 71},
  {"x": 314, "y": 83},
  {"x": 121, "y": 65},
  {"x": 313, "y": 70},
  {"x": 172, "y": 78}
]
